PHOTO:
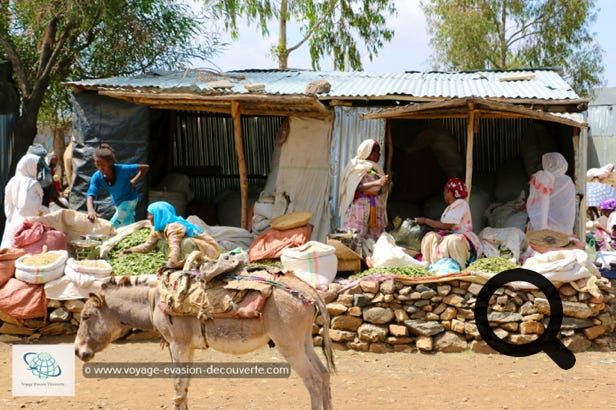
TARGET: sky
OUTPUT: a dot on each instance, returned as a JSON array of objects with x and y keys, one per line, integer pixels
[{"x": 408, "y": 51}]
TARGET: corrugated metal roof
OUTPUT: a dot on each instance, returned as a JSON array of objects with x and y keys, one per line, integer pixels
[
  {"x": 605, "y": 96},
  {"x": 544, "y": 84}
]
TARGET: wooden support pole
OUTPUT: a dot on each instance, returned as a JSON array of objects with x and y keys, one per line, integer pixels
[
  {"x": 470, "y": 139},
  {"x": 239, "y": 149},
  {"x": 389, "y": 146}
]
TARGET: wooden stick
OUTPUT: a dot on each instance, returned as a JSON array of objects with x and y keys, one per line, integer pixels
[{"x": 239, "y": 149}]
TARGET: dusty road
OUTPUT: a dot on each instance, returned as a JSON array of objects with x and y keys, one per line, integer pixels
[{"x": 363, "y": 381}]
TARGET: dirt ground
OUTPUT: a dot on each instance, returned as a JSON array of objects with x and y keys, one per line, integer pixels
[{"x": 363, "y": 381}]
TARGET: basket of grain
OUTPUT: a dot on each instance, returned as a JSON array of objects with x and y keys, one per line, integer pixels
[
  {"x": 291, "y": 220},
  {"x": 41, "y": 268},
  {"x": 85, "y": 272}
]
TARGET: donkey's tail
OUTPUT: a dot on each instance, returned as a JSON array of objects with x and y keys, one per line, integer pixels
[{"x": 328, "y": 350}]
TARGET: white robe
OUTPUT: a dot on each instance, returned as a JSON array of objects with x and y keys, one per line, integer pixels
[{"x": 23, "y": 197}]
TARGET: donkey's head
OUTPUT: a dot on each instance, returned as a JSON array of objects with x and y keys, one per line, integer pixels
[{"x": 99, "y": 326}]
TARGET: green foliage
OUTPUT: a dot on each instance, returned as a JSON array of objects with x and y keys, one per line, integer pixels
[
  {"x": 135, "y": 263},
  {"x": 508, "y": 34},
  {"x": 48, "y": 42},
  {"x": 335, "y": 28}
]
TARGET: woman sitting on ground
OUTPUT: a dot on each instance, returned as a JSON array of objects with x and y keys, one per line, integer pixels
[
  {"x": 455, "y": 238},
  {"x": 174, "y": 229}
]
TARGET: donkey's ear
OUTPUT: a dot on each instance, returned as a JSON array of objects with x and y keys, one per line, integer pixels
[{"x": 98, "y": 301}]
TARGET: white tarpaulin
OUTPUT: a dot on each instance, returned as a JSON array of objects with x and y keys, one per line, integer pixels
[{"x": 304, "y": 173}]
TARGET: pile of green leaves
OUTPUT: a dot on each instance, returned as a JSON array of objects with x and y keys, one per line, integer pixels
[
  {"x": 491, "y": 265},
  {"x": 135, "y": 263},
  {"x": 266, "y": 263},
  {"x": 408, "y": 271}
]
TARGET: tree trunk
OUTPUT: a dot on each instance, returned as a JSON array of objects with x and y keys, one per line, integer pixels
[
  {"x": 24, "y": 133},
  {"x": 283, "y": 54}
]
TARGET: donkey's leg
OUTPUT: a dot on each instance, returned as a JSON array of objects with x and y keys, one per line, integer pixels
[
  {"x": 181, "y": 353},
  {"x": 321, "y": 369},
  {"x": 293, "y": 350}
]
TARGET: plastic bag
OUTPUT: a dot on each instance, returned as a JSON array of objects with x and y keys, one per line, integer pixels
[
  {"x": 410, "y": 234},
  {"x": 445, "y": 266},
  {"x": 388, "y": 255}
]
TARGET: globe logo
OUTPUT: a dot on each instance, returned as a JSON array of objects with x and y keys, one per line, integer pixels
[{"x": 42, "y": 365}]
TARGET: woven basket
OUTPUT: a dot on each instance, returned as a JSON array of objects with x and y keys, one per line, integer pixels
[
  {"x": 291, "y": 220},
  {"x": 545, "y": 240}
]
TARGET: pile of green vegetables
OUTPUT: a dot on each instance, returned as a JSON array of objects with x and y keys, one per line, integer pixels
[
  {"x": 408, "y": 271},
  {"x": 135, "y": 263},
  {"x": 491, "y": 265}
]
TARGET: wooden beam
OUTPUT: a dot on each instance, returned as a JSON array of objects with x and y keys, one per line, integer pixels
[
  {"x": 239, "y": 148},
  {"x": 470, "y": 141}
]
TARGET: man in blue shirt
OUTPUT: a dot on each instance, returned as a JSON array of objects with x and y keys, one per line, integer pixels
[{"x": 119, "y": 180}]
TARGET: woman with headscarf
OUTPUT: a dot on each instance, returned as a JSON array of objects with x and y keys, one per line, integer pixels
[
  {"x": 175, "y": 229},
  {"x": 22, "y": 197},
  {"x": 363, "y": 192},
  {"x": 551, "y": 199},
  {"x": 454, "y": 237},
  {"x": 604, "y": 227}
]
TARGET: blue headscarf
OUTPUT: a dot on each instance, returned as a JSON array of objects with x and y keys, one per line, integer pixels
[{"x": 164, "y": 214}]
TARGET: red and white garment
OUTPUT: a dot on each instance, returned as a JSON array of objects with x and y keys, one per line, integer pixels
[{"x": 551, "y": 200}]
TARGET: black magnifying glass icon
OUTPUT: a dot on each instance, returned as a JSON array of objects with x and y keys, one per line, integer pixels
[{"x": 547, "y": 341}]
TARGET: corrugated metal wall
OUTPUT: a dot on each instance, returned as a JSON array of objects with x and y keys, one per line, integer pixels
[
  {"x": 348, "y": 132},
  {"x": 496, "y": 141},
  {"x": 206, "y": 140},
  {"x": 602, "y": 135}
]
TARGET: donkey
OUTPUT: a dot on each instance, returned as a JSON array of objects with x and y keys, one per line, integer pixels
[{"x": 124, "y": 304}]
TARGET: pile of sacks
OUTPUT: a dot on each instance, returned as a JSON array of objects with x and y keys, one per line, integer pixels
[{"x": 605, "y": 175}]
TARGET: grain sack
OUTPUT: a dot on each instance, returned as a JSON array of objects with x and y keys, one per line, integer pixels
[
  {"x": 74, "y": 224},
  {"x": 42, "y": 267},
  {"x": 478, "y": 203},
  {"x": 22, "y": 300},
  {"x": 7, "y": 263},
  {"x": 64, "y": 288},
  {"x": 33, "y": 236},
  {"x": 85, "y": 272}
]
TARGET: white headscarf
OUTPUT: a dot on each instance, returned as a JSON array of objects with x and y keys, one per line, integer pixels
[
  {"x": 16, "y": 191},
  {"x": 354, "y": 172},
  {"x": 551, "y": 200}
]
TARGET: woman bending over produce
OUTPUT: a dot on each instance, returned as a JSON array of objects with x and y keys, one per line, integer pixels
[{"x": 174, "y": 229}]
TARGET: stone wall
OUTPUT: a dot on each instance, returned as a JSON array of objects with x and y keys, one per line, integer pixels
[{"x": 390, "y": 316}]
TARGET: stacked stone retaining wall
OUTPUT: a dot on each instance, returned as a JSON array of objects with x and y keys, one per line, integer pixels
[{"x": 391, "y": 316}]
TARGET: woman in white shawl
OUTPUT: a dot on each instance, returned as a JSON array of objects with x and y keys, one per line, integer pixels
[
  {"x": 363, "y": 192},
  {"x": 22, "y": 197},
  {"x": 551, "y": 200}
]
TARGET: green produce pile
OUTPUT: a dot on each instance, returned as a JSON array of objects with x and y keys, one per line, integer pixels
[
  {"x": 266, "y": 263},
  {"x": 491, "y": 265},
  {"x": 409, "y": 271},
  {"x": 135, "y": 263}
]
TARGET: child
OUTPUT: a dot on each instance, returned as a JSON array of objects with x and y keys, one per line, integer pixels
[{"x": 119, "y": 180}]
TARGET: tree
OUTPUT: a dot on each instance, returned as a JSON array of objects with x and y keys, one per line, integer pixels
[
  {"x": 331, "y": 27},
  {"x": 506, "y": 34},
  {"x": 47, "y": 42}
]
